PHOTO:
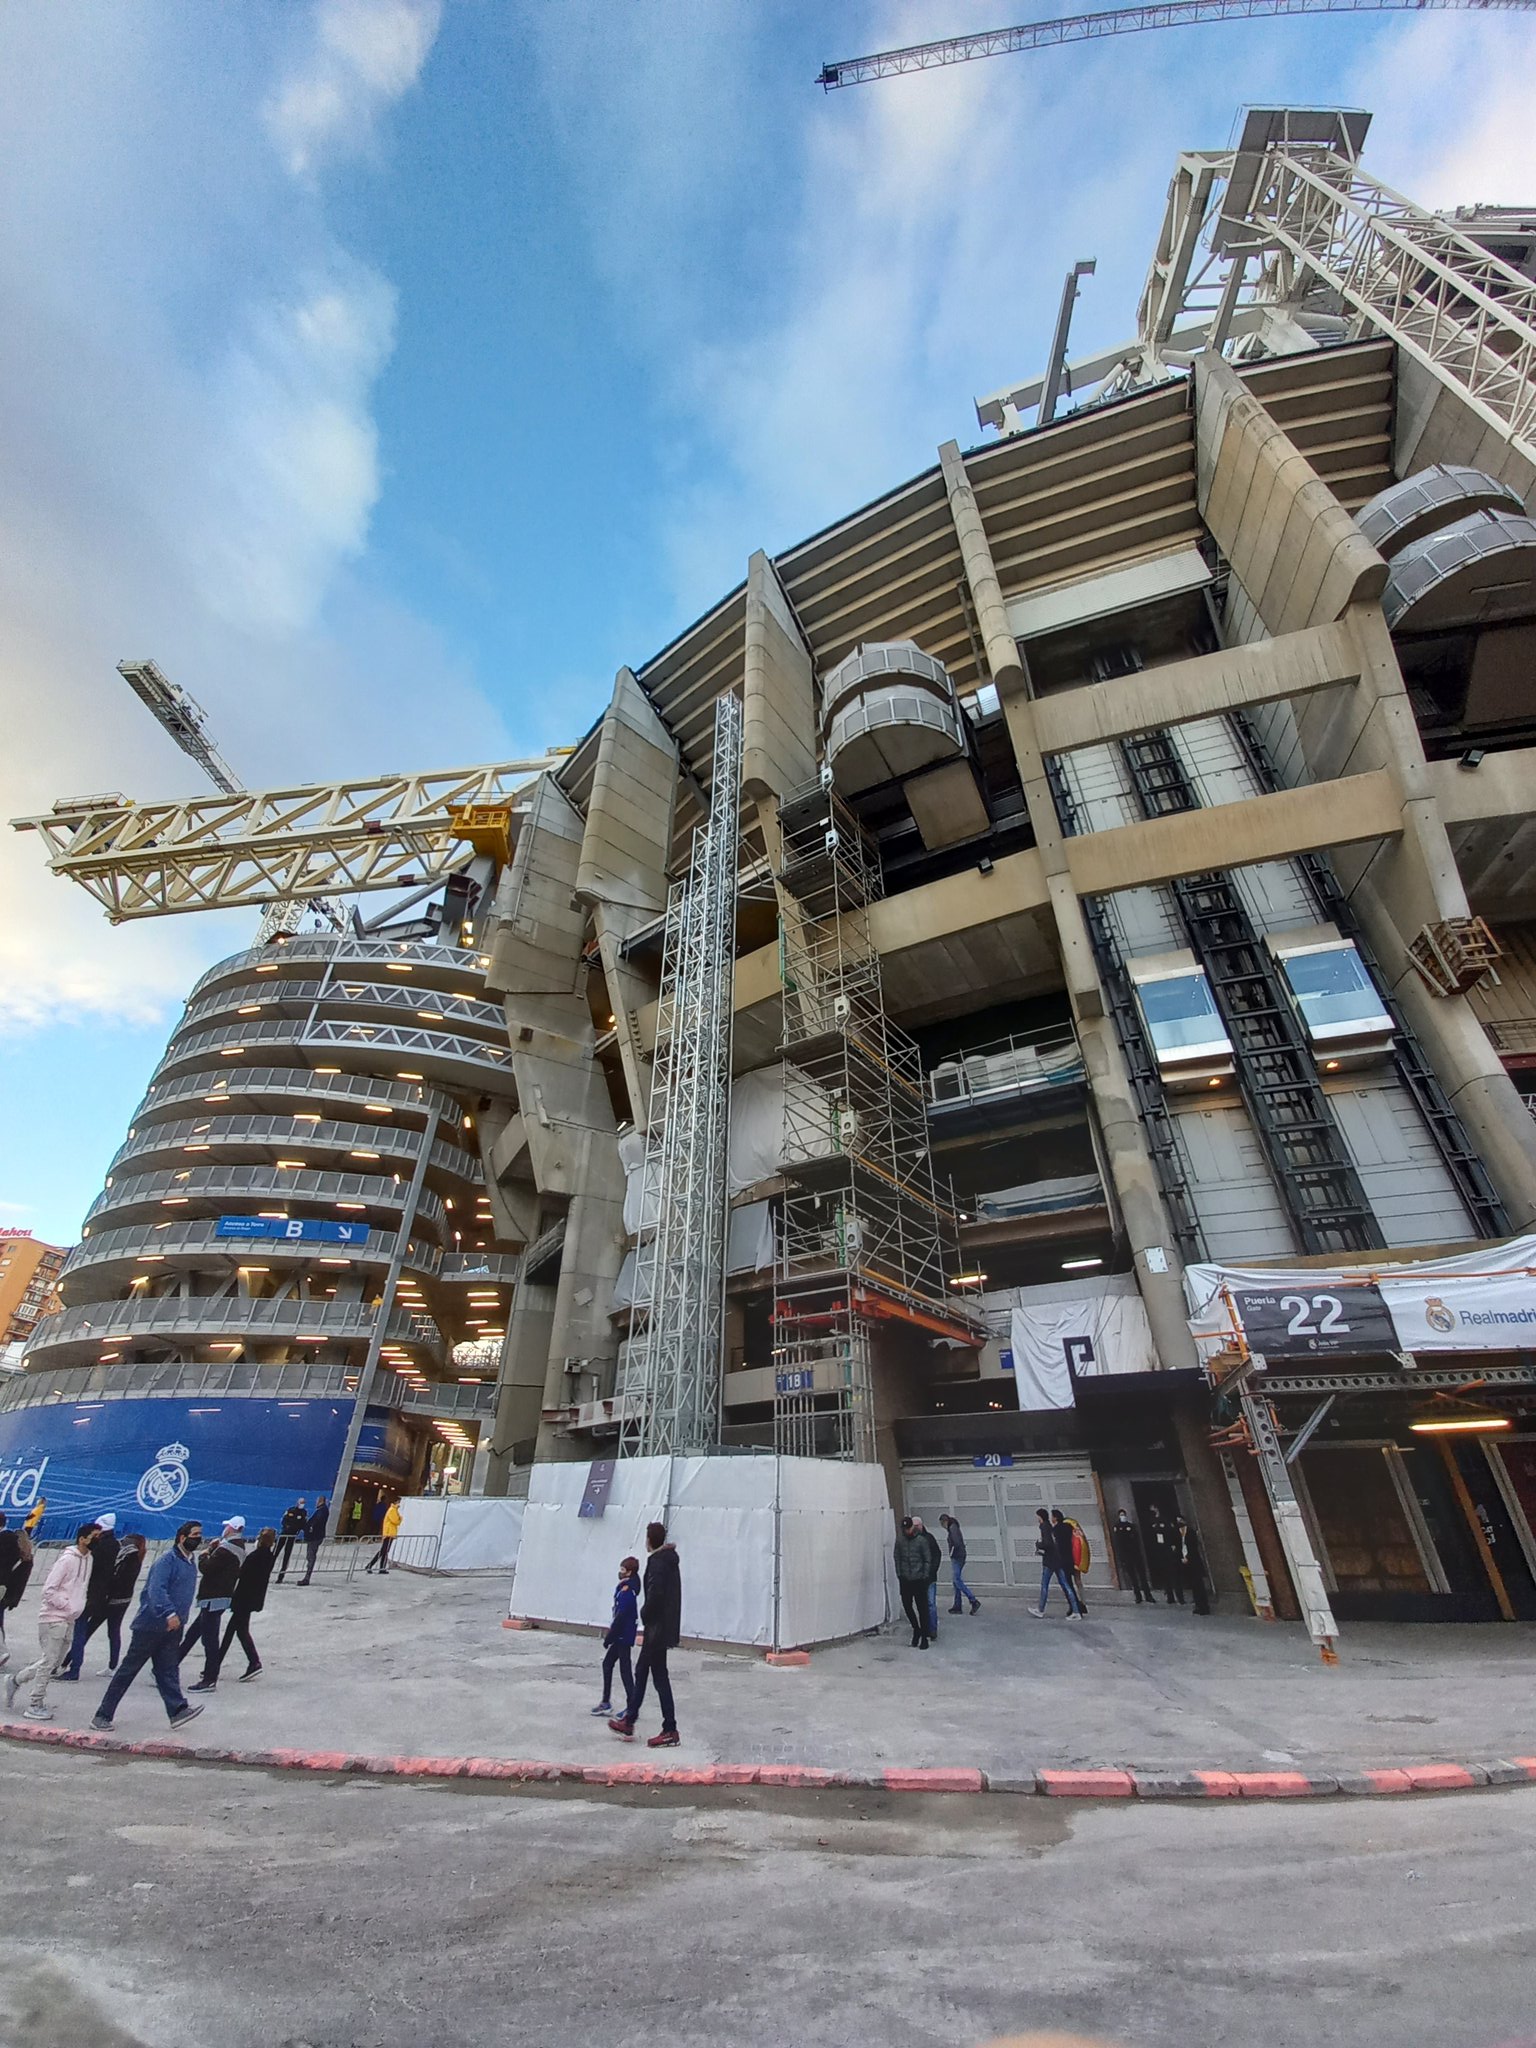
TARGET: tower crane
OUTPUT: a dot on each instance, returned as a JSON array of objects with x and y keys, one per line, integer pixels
[
  {"x": 187, "y": 723},
  {"x": 1113, "y": 21}
]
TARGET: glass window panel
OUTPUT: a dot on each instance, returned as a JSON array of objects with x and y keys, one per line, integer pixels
[
  {"x": 1180, "y": 1011},
  {"x": 1333, "y": 988}
]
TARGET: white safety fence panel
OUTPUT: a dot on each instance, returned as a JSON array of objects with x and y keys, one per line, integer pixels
[
  {"x": 456, "y": 1535},
  {"x": 722, "y": 1521},
  {"x": 567, "y": 1568},
  {"x": 836, "y": 1534}
]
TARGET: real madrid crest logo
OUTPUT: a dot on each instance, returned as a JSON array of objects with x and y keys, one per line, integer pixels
[
  {"x": 166, "y": 1480},
  {"x": 1438, "y": 1316}
]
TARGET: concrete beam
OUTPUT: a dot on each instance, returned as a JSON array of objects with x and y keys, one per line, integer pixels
[
  {"x": 1207, "y": 686},
  {"x": 1500, "y": 786},
  {"x": 1260, "y": 828}
]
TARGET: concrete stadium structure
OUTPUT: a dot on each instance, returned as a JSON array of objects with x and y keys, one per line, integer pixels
[{"x": 1152, "y": 777}]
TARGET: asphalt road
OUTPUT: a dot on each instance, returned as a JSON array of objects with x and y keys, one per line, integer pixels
[{"x": 164, "y": 1905}]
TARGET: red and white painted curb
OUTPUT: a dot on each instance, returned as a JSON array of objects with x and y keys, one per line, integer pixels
[{"x": 1355, "y": 1782}]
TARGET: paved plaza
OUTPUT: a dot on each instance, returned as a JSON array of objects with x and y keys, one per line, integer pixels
[{"x": 421, "y": 1666}]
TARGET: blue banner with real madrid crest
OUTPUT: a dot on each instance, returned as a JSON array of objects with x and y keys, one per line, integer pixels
[
  {"x": 158, "y": 1463},
  {"x": 1483, "y": 1300}
]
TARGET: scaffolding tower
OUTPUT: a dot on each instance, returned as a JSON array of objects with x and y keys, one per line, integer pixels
[
  {"x": 865, "y": 1242},
  {"x": 680, "y": 1313}
]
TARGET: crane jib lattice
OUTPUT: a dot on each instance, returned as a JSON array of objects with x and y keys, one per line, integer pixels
[{"x": 1117, "y": 21}]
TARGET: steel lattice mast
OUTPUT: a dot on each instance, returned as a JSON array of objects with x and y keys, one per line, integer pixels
[
  {"x": 1114, "y": 21},
  {"x": 685, "y": 1184}
]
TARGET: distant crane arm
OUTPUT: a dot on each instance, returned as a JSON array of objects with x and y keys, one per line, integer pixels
[{"x": 1113, "y": 21}]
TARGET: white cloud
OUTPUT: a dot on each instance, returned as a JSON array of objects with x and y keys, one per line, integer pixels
[
  {"x": 363, "y": 55},
  {"x": 1452, "y": 97},
  {"x": 188, "y": 458}
]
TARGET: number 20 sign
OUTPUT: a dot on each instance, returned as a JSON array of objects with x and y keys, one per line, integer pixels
[{"x": 1321, "y": 1321}]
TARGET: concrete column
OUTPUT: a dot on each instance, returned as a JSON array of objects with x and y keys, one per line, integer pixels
[{"x": 1130, "y": 1163}]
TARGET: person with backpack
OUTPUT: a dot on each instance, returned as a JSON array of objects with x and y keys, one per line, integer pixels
[
  {"x": 15, "y": 1570},
  {"x": 314, "y": 1536},
  {"x": 1073, "y": 1547},
  {"x": 248, "y": 1598},
  {"x": 955, "y": 1536},
  {"x": 661, "y": 1616},
  {"x": 218, "y": 1573},
  {"x": 620, "y": 1637},
  {"x": 98, "y": 1593},
  {"x": 1055, "y": 1554}
]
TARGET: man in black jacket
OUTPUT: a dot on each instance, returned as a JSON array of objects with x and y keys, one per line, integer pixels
[
  {"x": 15, "y": 1570},
  {"x": 248, "y": 1598},
  {"x": 1131, "y": 1558},
  {"x": 661, "y": 1616},
  {"x": 218, "y": 1573},
  {"x": 98, "y": 1592},
  {"x": 314, "y": 1536},
  {"x": 294, "y": 1519}
]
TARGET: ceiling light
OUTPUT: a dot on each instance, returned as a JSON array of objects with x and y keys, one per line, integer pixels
[
  {"x": 1461, "y": 1425},
  {"x": 969, "y": 1280},
  {"x": 1077, "y": 1265}
]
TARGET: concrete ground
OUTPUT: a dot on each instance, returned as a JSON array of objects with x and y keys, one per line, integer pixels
[
  {"x": 423, "y": 1666},
  {"x": 167, "y": 1905}
]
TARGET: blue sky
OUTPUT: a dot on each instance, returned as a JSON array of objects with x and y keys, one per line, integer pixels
[{"x": 391, "y": 372}]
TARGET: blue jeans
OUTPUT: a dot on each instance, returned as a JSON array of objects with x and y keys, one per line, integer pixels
[
  {"x": 962, "y": 1590},
  {"x": 933, "y": 1607},
  {"x": 159, "y": 1648},
  {"x": 1049, "y": 1572}
]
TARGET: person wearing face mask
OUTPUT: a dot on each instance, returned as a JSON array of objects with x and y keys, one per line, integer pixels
[{"x": 155, "y": 1638}]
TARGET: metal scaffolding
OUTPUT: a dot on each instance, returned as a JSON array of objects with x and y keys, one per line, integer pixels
[
  {"x": 680, "y": 1317},
  {"x": 865, "y": 1243}
]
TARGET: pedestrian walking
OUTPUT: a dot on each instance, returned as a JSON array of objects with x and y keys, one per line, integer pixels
[
  {"x": 389, "y": 1532},
  {"x": 158, "y": 1626},
  {"x": 62, "y": 1604},
  {"x": 1072, "y": 1552},
  {"x": 1167, "y": 1558},
  {"x": 218, "y": 1573},
  {"x": 315, "y": 1527},
  {"x": 129, "y": 1559},
  {"x": 1055, "y": 1563},
  {"x": 661, "y": 1616},
  {"x": 15, "y": 1570},
  {"x": 954, "y": 1535},
  {"x": 619, "y": 1639},
  {"x": 911, "y": 1560},
  {"x": 292, "y": 1528},
  {"x": 98, "y": 1592},
  {"x": 1192, "y": 1566},
  {"x": 248, "y": 1598},
  {"x": 1131, "y": 1558}
]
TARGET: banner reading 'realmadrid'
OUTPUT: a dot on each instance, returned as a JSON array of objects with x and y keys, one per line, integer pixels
[{"x": 1477, "y": 1301}]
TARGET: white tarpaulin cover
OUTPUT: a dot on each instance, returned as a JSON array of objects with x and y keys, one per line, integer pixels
[
  {"x": 748, "y": 1249},
  {"x": 476, "y": 1534},
  {"x": 1091, "y": 1327},
  {"x": 759, "y": 1140},
  {"x": 829, "y": 1523},
  {"x": 1473, "y": 1301}
]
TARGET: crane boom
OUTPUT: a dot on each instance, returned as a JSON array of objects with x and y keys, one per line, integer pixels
[
  {"x": 1112, "y": 21},
  {"x": 260, "y": 847}
]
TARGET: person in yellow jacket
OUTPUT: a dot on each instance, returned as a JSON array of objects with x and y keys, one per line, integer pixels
[{"x": 390, "y": 1531}]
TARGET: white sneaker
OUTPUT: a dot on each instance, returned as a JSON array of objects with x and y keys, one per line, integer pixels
[
  {"x": 1038, "y": 1613},
  {"x": 38, "y": 1714},
  {"x": 10, "y": 1692}
]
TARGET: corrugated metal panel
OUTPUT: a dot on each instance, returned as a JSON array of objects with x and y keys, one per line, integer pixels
[
  {"x": 1234, "y": 1197},
  {"x": 996, "y": 1510},
  {"x": 1406, "y": 1183}
]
